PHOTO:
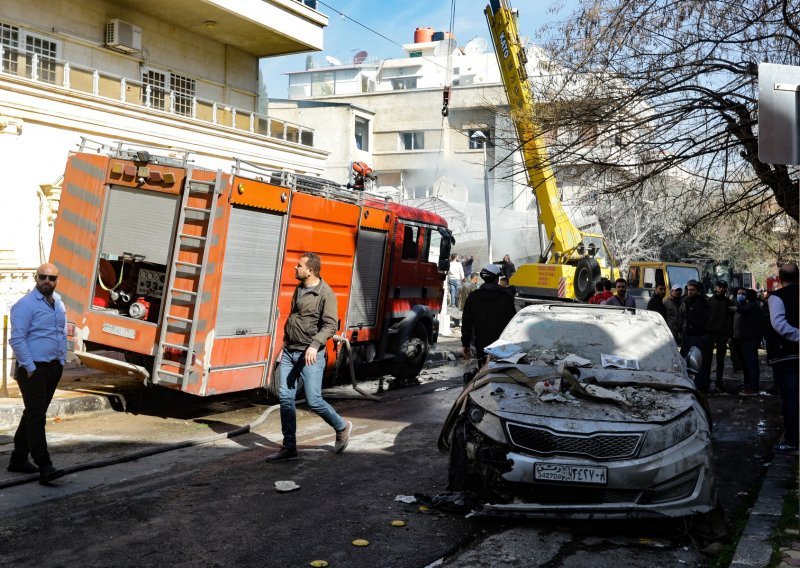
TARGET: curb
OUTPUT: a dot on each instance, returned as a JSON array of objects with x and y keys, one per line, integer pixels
[
  {"x": 66, "y": 405},
  {"x": 754, "y": 548}
]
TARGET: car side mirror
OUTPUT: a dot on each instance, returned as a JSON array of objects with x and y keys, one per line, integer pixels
[{"x": 694, "y": 360}]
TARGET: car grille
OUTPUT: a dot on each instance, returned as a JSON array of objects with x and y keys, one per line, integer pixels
[{"x": 595, "y": 446}]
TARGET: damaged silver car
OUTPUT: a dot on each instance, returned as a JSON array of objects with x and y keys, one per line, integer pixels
[{"x": 584, "y": 412}]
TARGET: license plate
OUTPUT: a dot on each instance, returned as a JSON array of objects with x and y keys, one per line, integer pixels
[
  {"x": 119, "y": 330},
  {"x": 591, "y": 475}
]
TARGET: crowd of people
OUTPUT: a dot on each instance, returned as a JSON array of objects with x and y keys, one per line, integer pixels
[{"x": 742, "y": 322}]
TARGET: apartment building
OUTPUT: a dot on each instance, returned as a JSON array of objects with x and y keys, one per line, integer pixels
[{"x": 176, "y": 76}]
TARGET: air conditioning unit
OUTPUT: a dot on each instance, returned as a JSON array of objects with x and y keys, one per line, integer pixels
[{"x": 123, "y": 36}]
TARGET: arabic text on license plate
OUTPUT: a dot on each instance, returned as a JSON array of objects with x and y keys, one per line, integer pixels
[
  {"x": 570, "y": 473},
  {"x": 119, "y": 330}
]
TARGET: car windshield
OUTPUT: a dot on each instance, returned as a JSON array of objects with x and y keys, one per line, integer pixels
[
  {"x": 606, "y": 337},
  {"x": 680, "y": 275}
]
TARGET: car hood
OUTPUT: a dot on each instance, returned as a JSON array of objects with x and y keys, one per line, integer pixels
[{"x": 624, "y": 396}]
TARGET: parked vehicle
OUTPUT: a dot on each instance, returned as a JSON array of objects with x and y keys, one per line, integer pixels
[
  {"x": 644, "y": 276},
  {"x": 583, "y": 411},
  {"x": 188, "y": 272}
]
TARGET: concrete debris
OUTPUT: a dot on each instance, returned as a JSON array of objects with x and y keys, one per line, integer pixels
[
  {"x": 406, "y": 499},
  {"x": 606, "y": 394},
  {"x": 286, "y": 486}
]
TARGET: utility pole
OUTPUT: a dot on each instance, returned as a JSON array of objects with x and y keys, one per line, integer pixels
[{"x": 480, "y": 137}]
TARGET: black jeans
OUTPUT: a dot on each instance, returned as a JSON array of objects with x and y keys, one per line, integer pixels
[
  {"x": 37, "y": 392},
  {"x": 786, "y": 379},
  {"x": 719, "y": 343}
]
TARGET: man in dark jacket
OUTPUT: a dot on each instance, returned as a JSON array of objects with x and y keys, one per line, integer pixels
[
  {"x": 782, "y": 352},
  {"x": 487, "y": 311},
  {"x": 694, "y": 315},
  {"x": 672, "y": 309},
  {"x": 747, "y": 333},
  {"x": 656, "y": 303},
  {"x": 507, "y": 267},
  {"x": 311, "y": 323},
  {"x": 720, "y": 324}
]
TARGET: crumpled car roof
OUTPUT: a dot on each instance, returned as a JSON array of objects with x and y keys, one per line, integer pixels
[{"x": 550, "y": 332}]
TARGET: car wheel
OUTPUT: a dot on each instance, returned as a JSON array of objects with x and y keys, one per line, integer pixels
[
  {"x": 458, "y": 473},
  {"x": 413, "y": 354},
  {"x": 587, "y": 274}
]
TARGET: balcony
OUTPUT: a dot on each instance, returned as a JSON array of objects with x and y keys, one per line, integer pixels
[
  {"x": 180, "y": 105},
  {"x": 263, "y": 28}
]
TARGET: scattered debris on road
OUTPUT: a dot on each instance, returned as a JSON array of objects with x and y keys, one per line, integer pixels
[{"x": 286, "y": 486}]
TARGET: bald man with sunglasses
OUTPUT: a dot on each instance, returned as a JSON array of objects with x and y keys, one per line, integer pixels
[{"x": 39, "y": 341}]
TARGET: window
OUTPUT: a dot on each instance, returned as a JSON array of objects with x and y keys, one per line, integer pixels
[
  {"x": 478, "y": 143},
  {"x": 157, "y": 81},
  {"x": 410, "y": 243},
  {"x": 412, "y": 140},
  {"x": 362, "y": 133},
  {"x": 323, "y": 83},
  {"x": 47, "y": 50},
  {"x": 433, "y": 243},
  {"x": 183, "y": 91},
  {"x": 404, "y": 83},
  {"x": 9, "y": 39}
]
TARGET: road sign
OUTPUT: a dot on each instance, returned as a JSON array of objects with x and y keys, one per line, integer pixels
[{"x": 778, "y": 114}]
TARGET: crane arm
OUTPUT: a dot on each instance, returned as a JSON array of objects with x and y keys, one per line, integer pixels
[{"x": 511, "y": 58}]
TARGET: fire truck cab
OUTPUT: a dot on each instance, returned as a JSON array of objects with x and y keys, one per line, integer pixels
[{"x": 188, "y": 273}]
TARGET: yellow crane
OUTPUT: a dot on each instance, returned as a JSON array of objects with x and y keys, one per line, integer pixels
[{"x": 573, "y": 260}]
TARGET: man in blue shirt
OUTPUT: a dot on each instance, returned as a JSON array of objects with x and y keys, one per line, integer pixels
[{"x": 39, "y": 341}]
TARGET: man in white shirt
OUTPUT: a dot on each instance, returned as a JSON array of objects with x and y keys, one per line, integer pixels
[{"x": 454, "y": 277}]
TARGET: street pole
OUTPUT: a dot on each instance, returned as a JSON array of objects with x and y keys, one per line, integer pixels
[
  {"x": 488, "y": 208},
  {"x": 4, "y": 384}
]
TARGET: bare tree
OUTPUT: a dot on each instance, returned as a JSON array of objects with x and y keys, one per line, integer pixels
[{"x": 668, "y": 89}]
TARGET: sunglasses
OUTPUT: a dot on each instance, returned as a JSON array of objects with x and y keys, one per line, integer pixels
[{"x": 49, "y": 277}]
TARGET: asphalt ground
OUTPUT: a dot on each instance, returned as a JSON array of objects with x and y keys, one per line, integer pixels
[{"x": 138, "y": 418}]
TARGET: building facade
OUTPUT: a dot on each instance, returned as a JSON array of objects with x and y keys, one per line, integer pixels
[{"x": 166, "y": 76}]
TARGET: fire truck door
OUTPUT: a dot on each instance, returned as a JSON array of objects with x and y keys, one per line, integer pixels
[{"x": 246, "y": 310}]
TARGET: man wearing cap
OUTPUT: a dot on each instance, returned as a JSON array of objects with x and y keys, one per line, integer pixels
[
  {"x": 672, "y": 311},
  {"x": 719, "y": 327},
  {"x": 656, "y": 303},
  {"x": 487, "y": 311}
]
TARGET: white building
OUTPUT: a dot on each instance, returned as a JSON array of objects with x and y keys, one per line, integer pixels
[
  {"x": 389, "y": 114},
  {"x": 174, "y": 75}
]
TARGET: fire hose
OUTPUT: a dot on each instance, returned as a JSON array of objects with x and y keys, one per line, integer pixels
[{"x": 197, "y": 441}]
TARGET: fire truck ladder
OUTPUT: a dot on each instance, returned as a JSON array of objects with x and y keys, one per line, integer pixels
[{"x": 186, "y": 242}]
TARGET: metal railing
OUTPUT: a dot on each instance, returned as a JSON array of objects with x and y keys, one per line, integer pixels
[{"x": 77, "y": 78}]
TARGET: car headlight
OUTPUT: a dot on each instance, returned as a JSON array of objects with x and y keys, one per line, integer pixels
[{"x": 668, "y": 435}]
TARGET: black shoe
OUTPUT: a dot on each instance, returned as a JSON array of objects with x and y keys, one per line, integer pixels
[
  {"x": 285, "y": 454},
  {"x": 48, "y": 473},
  {"x": 22, "y": 467}
]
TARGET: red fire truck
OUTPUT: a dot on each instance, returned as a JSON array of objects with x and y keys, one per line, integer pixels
[{"x": 189, "y": 272}]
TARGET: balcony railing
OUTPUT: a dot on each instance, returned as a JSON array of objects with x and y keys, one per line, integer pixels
[{"x": 106, "y": 85}]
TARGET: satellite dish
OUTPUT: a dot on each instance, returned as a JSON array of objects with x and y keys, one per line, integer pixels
[
  {"x": 332, "y": 60},
  {"x": 445, "y": 47},
  {"x": 476, "y": 46},
  {"x": 360, "y": 57}
]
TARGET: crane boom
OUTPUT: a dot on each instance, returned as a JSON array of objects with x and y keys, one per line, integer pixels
[
  {"x": 573, "y": 260},
  {"x": 511, "y": 58}
]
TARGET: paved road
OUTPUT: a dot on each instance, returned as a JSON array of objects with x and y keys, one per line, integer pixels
[{"x": 215, "y": 505}]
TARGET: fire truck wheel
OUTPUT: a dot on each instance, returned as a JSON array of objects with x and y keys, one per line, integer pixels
[
  {"x": 413, "y": 354},
  {"x": 587, "y": 273}
]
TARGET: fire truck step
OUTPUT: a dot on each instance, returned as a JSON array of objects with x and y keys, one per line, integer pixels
[
  {"x": 179, "y": 291},
  {"x": 171, "y": 374},
  {"x": 192, "y": 264},
  {"x": 204, "y": 185},
  {"x": 198, "y": 209},
  {"x": 176, "y": 346},
  {"x": 185, "y": 236},
  {"x": 185, "y": 320}
]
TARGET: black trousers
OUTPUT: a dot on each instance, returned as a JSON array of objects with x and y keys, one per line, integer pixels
[
  {"x": 37, "y": 392},
  {"x": 719, "y": 343}
]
